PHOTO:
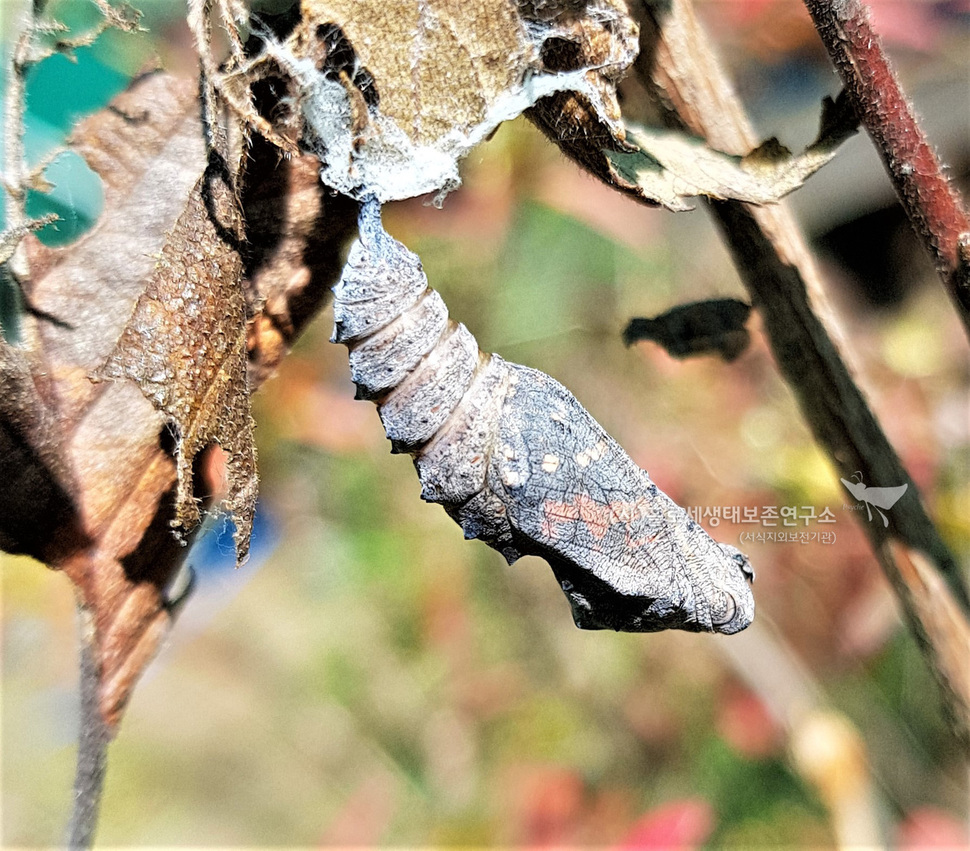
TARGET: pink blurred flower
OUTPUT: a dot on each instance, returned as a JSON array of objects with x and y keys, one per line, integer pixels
[
  {"x": 681, "y": 825},
  {"x": 929, "y": 827}
]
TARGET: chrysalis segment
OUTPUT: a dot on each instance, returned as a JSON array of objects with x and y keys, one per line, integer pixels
[
  {"x": 414, "y": 410},
  {"x": 383, "y": 360},
  {"x": 376, "y": 286},
  {"x": 485, "y": 517},
  {"x": 517, "y": 461},
  {"x": 452, "y": 467}
]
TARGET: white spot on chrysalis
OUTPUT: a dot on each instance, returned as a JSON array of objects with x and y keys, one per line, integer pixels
[
  {"x": 588, "y": 456},
  {"x": 513, "y": 478},
  {"x": 550, "y": 463}
]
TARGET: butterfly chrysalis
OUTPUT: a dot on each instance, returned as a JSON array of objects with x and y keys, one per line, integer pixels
[{"x": 517, "y": 461}]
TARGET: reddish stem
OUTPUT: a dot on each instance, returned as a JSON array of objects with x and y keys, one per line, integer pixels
[{"x": 932, "y": 204}]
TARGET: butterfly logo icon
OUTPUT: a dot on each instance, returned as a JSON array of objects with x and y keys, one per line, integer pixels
[{"x": 874, "y": 497}]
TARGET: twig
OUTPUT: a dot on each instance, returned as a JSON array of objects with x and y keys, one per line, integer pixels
[
  {"x": 92, "y": 747},
  {"x": 932, "y": 204},
  {"x": 679, "y": 67},
  {"x": 13, "y": 138},
  {"x": 16, "y": 177},
  {"x": 841, "y": 772}
]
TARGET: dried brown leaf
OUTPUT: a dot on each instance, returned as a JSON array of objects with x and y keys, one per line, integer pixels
[
  {"x": 95, "y": 448},
  {"x": 35, "y": 501},
  {"x": 605, "y": 40},
  {"x": 394, "y": 95},
  {"x": 185, "y": 346},
  {"x": 670, "y": 167},
  {"x": 296, "y": 233},
  {"x": 96, "y": 479}
]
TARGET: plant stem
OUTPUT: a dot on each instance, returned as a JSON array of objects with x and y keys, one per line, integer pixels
[
  {"x": 680, "y": 70},
  {"x": 92, "y": 749},
  {"x": 932, "y": 204}
]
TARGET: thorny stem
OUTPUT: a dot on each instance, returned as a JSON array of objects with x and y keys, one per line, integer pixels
[
  {"x": 932, "y": 204},
  {"x": 16, "y": 176},
  {"x": 13, "y": 257},
  {"x": 13, "y": 132}
]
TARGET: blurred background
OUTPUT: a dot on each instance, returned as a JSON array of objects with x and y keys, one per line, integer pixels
[{"x": 371, "y": 678}]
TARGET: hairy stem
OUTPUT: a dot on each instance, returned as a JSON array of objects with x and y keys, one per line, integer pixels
[
  {"x": 13, "y": 141},
  {"x": 933, "y": 205}
]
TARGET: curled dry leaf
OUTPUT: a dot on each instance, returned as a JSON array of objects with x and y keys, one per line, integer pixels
[
  {"x": 394, "y": 95},
  {"x": 296, "y": 233},
  {"x": 185, "y": 345},
  {"x": 92, "y": 463},
  {"x": 670, "y": 167},
  {"x": 713, "y": 326},
  {"x": 605, "y": 40},
  {"x": 36, "y": 510},
  {"x": 100, "y": 443}
]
